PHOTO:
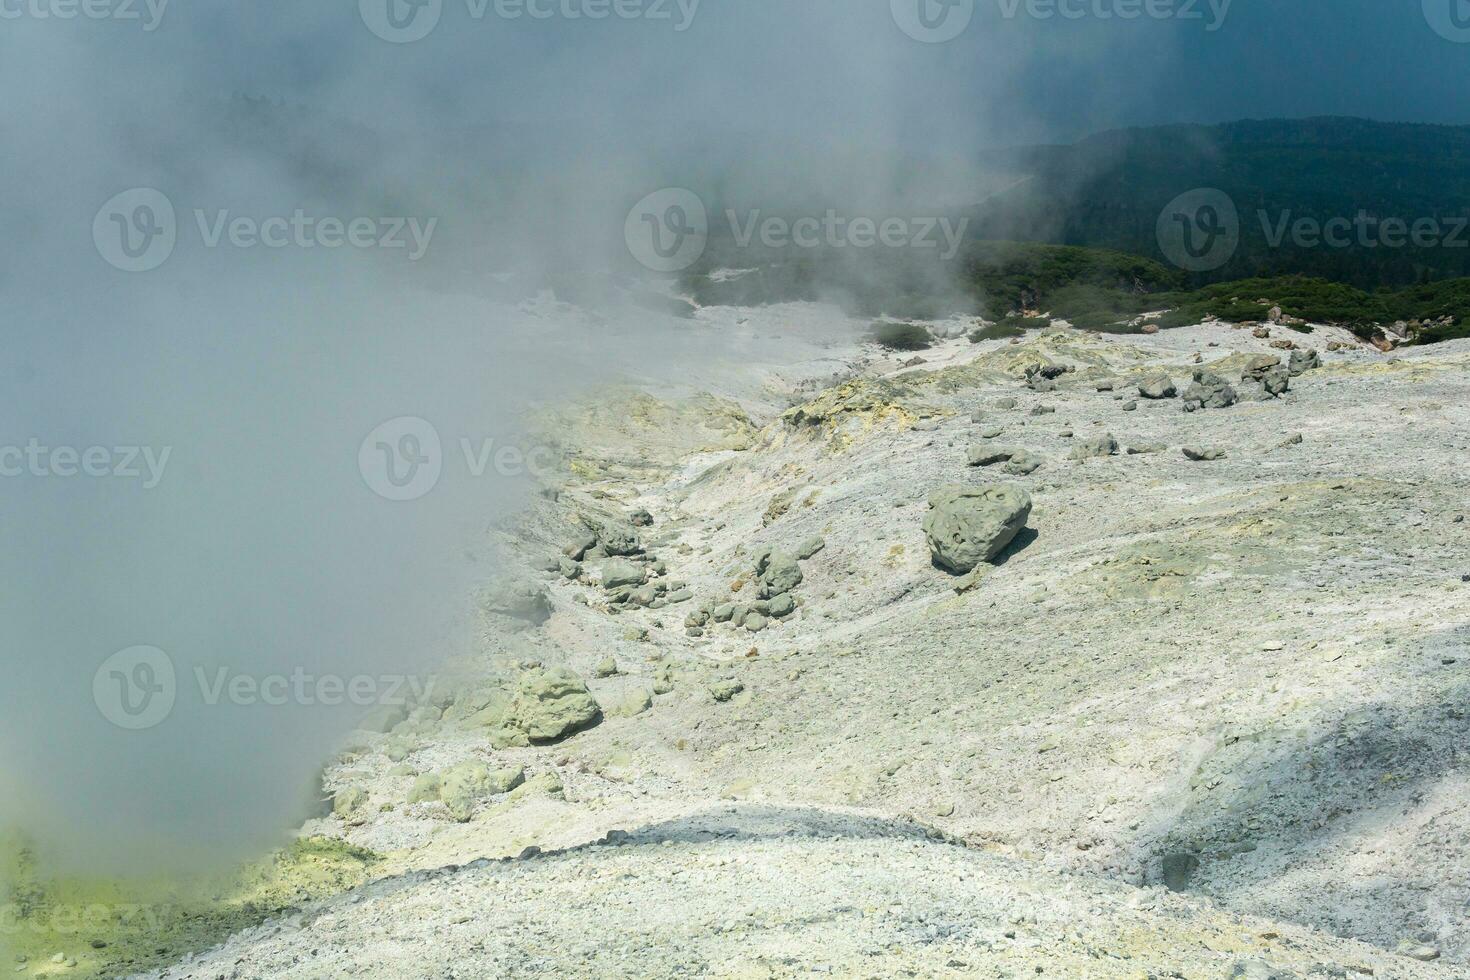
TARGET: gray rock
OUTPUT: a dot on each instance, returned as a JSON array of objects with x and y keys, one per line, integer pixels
[
  {"x": 570, "y": 570},
  {"x": 615, "y": 538},
  {"x": 1202, "y": 454},
  {"x": 1303, "y": 361},
  {"x": 1147, "y": 449},
  {"x": 549, "y": 705},
  {"x": 782, "y": 606},
  {"x": 1106, "y": 385},
  {"x": 994, "y": 432},
  {"x": 517, "y": 599},
  {"x": 1267, "y": 371},
  {"x": 606, "y": 668},
  {"x": 426, "y": 788},
  {"x": 723, "y": 614},
  {"x": 577, "y": 548},
  {"x": 641, "y": 518},
  {"x": 1044, "y": 410},
  {"x": 724, "y": 691},
  {"x": 1130, "y": 406},
  {"x": 1005, "y": 404},
  {"x": 755, "y": 622},
  {"x": 1103, "y": 445},
  {"x": 811, "y": 546},
  {"x": 350, "y": 804},
  {"x": 470, "y": 782},
  {"x": 619, "y": 572},
  {"x": 1024, "y": 464},
  {"x": 778, "y": 573},
  {"x": 969, "y": 525},
  {"x": 1210, "y": 391},
  {"x": 990, "y": 455},
  {"x": 1157, "y": 388}
]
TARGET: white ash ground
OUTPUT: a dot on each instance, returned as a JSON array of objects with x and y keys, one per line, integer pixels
[{"x": 1255, "y": 668}]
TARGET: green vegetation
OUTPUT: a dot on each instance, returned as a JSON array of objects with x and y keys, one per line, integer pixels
[
  {"x": 1011, "y": 326},
  {"x": 902, "y": 336},
  {"x": 114, "y": 926},
  {"x": 1023, "y": 285}
]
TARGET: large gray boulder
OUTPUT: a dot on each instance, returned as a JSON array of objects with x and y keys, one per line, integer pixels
[
  {"x": 1303, "y": 361},
  {"x": 1103, "y": 445},
  {"x": 1209, "y": 391},
  {"x": 615, "y": 538},
  {"x": 520, "y": 600},
  {"x": 1157, "y": 388},
  {"x": 619, "y": 572},
  {"x": 470, "y": 782},
  {"x": 778, "y": 572},
  {"x": 549, "y": 705},
  {"x": 1268, "y": 372},
  {"x": 969, "y": 525}
]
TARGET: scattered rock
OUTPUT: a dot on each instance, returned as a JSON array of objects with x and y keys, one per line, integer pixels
[
  {"x": 618, "y": 573},
  {"x": 725, "y": 691},
  {"x": 470, "y": 782},
  {"x": 969, "y": 525},
  {"x": 1303, "y": 361},
  {"x": 1147, "y": 449},
  {"x": 810, "y": 547},
  {"x": 1157, "y": 388},
  {"x": 1103, "y": 445},
  {"x": 641, "y": 518},
  {"x": 519, "y": 600},
  {"x": 1201, "y": 454},
  {"x": 1024, "y": 464},
  {"x": 1209, "y": 391},
  {"x": 426, "y": 788},
  {"x": 778, "y": 572},
  {"x": 989, "y": 455},
  {"x": 350, "y": 804},
  {"x": 607, "y": 668},
  {"x": 549, "y": 705}
]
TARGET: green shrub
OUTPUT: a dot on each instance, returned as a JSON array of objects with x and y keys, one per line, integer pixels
[
  {"x": 902, "y": 336},
  {"x": 1010, "y": 327}
]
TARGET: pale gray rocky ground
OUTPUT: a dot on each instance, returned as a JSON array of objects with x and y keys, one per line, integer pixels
[{"x": 1241, "y": 678}]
